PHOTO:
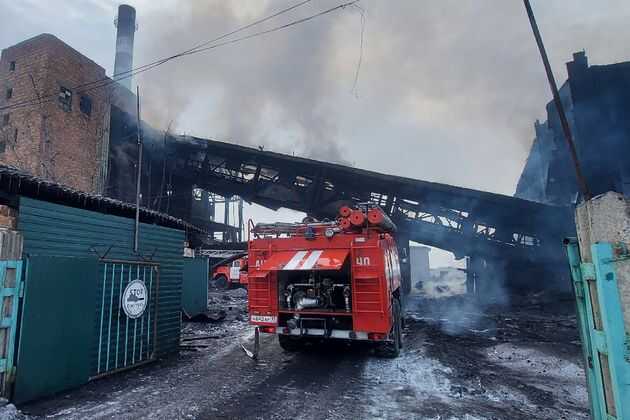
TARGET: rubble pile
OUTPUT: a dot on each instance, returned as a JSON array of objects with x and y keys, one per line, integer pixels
[
  {"x": 226, "y": 317},
  {"x": 10, "y": 412}
]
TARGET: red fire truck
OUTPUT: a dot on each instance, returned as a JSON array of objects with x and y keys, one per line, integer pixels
[
  {"x": 231, "y": 273},
  {"x": 327, "y": 280}
]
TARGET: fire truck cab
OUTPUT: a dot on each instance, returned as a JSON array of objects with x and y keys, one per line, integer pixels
[
  {"x": 327, "y": 280},
  {"x": 230, "y": 274}
]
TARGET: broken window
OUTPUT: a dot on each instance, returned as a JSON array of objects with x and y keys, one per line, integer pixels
[
  {"x": 12, "y": 66},
  {"x": 5, "y": 120},
  {"x": 301, "y": 181},
  {"x": 85, "y": 105},
  {"x": 268, "y": 174},
  {"x": 65, "y": 98},
  {"x": 525, "y": 239},
  {"x": 9, "y": 93},
  {"x": 3, "y": 146}
]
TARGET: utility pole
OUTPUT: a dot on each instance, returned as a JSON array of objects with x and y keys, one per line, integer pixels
[
  {"x": 138, "y": 172},
  {"x": 558, "y": 103}
]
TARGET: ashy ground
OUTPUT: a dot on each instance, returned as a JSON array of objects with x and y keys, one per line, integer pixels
[{"x": 460, "y": 361}]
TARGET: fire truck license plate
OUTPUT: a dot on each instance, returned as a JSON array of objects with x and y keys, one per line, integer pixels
[{"x": 272, "y": 319}]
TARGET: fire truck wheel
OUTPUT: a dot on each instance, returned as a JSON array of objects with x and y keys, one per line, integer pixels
[
  {"x": 290, "y": 344},
  {"x": 391, "y": 349},
  {"x": 221, "y": 282}
]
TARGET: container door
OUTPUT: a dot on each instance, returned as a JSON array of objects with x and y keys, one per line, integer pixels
[
  {"x": 56, "y": 326},
  {"x": 126, "y": 315},
  {"x": 10, "y": 283},
  {"x": 195, "y": 286}
]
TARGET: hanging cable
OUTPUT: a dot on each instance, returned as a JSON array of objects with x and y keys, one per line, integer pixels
[{"x": 108, "y": 81}]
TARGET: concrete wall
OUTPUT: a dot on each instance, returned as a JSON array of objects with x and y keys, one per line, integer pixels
[{"x": 606, "y": 218}]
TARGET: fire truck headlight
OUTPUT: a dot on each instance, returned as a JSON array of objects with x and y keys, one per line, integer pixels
[{"x": 329, "y": 233}]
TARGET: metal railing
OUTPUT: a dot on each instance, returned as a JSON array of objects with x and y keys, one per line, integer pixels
[{"x": 126, "y": 339}]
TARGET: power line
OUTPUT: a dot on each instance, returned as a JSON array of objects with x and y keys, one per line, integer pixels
[
  {"x": 277, "y": 28},
  {"x": 195, "y": 50},
  {"x": 566, "y": 128},
  {"x": 358, "y": 70},
  {"x": 288, "y": 9},
  {"x": 129, "y": 73}
]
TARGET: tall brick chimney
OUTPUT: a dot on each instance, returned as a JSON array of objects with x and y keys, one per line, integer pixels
[{"x": 126, "y": 24}]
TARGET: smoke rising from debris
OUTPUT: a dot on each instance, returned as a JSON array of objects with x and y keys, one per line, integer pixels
[{"x": 441, "y": 302}]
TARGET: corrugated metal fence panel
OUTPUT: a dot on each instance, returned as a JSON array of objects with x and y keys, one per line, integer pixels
[
  {"x": 10, "y": 284},
  {"x": 53, "y": 229},
  {"x": 195, "y": 288},
  {"x": 124, "y": 342},
  {"x": 56, "y": 326},
  {"x": 171, "y": 259}
]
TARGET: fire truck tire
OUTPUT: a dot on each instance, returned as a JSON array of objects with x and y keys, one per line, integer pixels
[
  {"x": 221, "y": 282},
  {"x": 391, "y": 349},
  {"x": 290, "y": 344}
]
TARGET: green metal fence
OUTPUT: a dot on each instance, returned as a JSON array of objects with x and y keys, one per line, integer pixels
[
  {"x": 195, "y": 287},
  {"x": 116, "y": 339},
  {"x": 126, "y": 340},
  {"x": 604, "y": 335},
  {"x": 56, "y": 326},
  {"x": 10, "y": 285},
  {"x": 53, "y": 229}
]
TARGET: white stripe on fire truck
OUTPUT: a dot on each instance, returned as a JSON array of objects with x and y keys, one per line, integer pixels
[
  {"x": 311, "y": 260},
  {"x": 293, "y": 262}
]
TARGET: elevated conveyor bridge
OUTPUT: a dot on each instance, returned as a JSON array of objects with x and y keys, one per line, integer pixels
[{"x": 492, "y": 228}]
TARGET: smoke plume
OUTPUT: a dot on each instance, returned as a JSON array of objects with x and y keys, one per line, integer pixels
[
  {"x": 447, "y": 90},
  {"x": 273, "y": 91}
]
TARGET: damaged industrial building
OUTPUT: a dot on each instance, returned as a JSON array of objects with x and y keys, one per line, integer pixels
[
  {"x": 110, "y": 242},
  {"x": 181, "y": 175},
  {"x": 597, "y": 100}
]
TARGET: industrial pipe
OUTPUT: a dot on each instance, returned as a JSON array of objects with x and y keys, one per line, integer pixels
[
  {"x": 345, "y": 211},
  {"x": 377, "y": 217},
  {"x": 357, "y": 218}
]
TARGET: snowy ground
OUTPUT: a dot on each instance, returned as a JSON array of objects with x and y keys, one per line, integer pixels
[{"x": 465, "y": 364}]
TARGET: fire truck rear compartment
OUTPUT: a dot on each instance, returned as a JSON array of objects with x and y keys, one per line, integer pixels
[
  {"x": 320, "y": 290},
  {"x": 315, "y": 302}
]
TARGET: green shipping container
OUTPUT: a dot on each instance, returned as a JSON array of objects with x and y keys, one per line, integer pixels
[
  {"x": 116, "y": 342},
  {"x": 195, "y": 289}
]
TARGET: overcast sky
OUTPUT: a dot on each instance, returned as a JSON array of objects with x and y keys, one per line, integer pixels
[{"x": 448, "y": 91}]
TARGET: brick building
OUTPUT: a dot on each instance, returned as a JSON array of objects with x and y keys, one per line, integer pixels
[
  {"x": 54, "y": 121},
  {"x": 63, "y": 119}
]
